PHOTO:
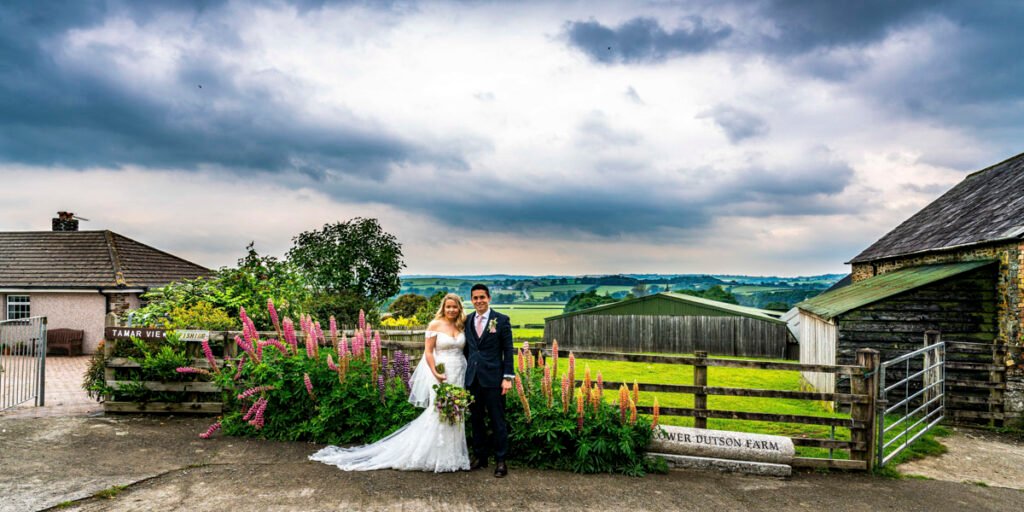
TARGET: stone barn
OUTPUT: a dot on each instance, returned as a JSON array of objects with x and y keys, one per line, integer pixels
[
  {"x": 672, "y": 323},
  {"x": 952, "y": 271}
]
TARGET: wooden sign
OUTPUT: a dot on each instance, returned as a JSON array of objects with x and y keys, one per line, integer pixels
[
  {"x": 124, "y": 333},
  {"x": 193, "y": 334}
]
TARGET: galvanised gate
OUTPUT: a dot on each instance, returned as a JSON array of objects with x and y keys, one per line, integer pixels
[{"x": 22, "y": 361}]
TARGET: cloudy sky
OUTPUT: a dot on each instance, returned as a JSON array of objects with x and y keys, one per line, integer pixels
[{"x": 771, "y": 137}]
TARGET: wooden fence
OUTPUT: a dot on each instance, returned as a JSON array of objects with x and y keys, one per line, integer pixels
[
  {"x": 717, "y": 335},
  {"x": 861, "y": 399}
]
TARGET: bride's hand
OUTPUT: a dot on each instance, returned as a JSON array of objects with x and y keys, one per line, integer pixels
[{"x": 440, "y": 377}]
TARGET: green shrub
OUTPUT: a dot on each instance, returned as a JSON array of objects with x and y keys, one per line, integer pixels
[
  {"x": 547, "y": 437},
  {"x": 201, "y": 315}
]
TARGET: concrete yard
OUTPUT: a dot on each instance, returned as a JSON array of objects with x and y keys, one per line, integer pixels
[{"x": 161, "y": 464}]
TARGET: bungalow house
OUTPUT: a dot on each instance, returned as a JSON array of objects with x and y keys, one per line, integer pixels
[
  {"x": 952, "y": 270},
  {"x": 74, "y": 278}
]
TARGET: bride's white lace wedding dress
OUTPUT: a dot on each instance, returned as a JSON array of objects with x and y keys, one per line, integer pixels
[{"x": 426, "y": 443}]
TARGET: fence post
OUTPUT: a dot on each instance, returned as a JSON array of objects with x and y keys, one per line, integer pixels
[
  {"x": 867, "y": 384},
  {"x": 700, "y": 398}
]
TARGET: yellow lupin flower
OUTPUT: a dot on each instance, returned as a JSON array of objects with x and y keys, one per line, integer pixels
[
  {"x": 632, "y": 412},
  {"x": 657, "y": 413},
  {"x": 636, "y": 392},
  {"x": 586, "y": 378},
  {"x": 623, "y": 402},
  {"x": 579, "y": 409}
]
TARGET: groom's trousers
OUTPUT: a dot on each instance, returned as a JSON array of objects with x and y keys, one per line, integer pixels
[{"x": 488, "y": 403}]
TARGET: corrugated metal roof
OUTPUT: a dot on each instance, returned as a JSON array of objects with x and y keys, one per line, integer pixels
[
  {"x": 831, "y": 304},
  {"x": 733, "y": 309}
]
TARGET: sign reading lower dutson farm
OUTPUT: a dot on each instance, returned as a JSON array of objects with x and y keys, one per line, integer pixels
[{"x": 723, "y": 444}]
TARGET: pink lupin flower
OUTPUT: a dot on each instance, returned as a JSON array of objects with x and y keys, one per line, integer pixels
[
  {"x": 243, "y": 315},
  {"x": 600, "y": 383},
  {"x": 189, "y": 369},
  {"x": 238, "y": 370},
  {"x": 554, "y": 358},
  {"x": 247, "y": 348},
  {"x": 208, "y": 352},
  {"x": 309, "y": 385},
  {"x": 276, "y": 344},
  {"x": 258, "y": 410},
  {"x": 289, "y": 335},
  {"x": 209, "y": 432},
  {"x": 252, "y": 391},
  {"x": 330, "y": 363},
  {"x": 310, "y": 344},
  {"x": 343, "y": 347},
  {"x": 362, "y": 320},
  {"x": 333, "y": 326},
  {"x": 320, "y": 339},
  {"x": 526, "y": 346},
  {"x": 274, "y": 318}
]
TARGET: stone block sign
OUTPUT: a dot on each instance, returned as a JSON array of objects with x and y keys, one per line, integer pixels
[{"x": 722, "y": 444}]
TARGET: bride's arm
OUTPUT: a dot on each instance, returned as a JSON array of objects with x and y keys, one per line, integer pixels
[{"x": 428, "y": 352}]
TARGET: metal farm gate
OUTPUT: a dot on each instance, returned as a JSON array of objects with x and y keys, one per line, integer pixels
[
  {"x": 911, "y": 399},
  {"x": 22, "y": 361}
]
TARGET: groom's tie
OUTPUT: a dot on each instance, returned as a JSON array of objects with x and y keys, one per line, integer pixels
[{"x": 479, "y": 325}]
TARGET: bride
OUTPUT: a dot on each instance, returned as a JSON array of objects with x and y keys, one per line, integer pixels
[{"x": 426, "y": 443}]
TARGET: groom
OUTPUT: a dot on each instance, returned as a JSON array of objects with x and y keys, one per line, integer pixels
[{"x": 489, "y": 376}]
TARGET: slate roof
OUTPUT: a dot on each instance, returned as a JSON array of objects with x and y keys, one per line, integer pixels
[
  {"x": 987, "y": 206},
  {"x": 87, "y": 259},
  {"x": 873, "y": 289}
]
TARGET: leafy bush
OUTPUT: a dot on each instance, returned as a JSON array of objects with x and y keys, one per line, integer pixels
[
  {"x": 407, "y": 304},
  {"x": 159, "y": 360},
  {"x": 586, "y": 300},
  {"x": 400, "y": 322},
  {"x": 279, "y": 390},
  {"x": 427, "y": 311},
  {"x": 201, "y": 315},
  {"x": 558, "y": 427}
]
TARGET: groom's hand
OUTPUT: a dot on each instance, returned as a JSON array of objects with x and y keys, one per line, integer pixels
[{"x": 505, "y": 386}]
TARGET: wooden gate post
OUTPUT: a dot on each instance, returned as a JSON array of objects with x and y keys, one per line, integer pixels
[
  {"x": 865, "y": 413},
  {"x": 700, "y": 398}
]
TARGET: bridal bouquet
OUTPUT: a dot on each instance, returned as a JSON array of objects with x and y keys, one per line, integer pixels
[{"x": 452, "y": 402}]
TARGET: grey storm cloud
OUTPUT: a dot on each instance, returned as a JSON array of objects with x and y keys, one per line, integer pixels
[
  {"x": 644, "y": 40},
  {"x": 736, "y": 123},
  {"x": 55, "y": 113}
]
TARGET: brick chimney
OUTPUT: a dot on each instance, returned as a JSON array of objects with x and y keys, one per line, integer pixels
[{"x": 65, "y": 221}]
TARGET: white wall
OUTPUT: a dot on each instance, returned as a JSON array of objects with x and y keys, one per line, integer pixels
[{"x": 84, "y": 311}]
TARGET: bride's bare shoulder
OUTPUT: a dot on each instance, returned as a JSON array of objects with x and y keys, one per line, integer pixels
[{"x": 434, "y": 325}]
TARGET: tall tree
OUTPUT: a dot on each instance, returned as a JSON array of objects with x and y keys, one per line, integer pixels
[{"x": 352, "y": 258}]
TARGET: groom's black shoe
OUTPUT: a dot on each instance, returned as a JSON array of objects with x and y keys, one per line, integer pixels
[
  {"x": 501, "y": 470},
  {"x": 479, "y": 464}
]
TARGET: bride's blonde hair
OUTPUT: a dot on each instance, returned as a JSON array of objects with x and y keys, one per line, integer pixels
[{"x": 460, "y": 322}]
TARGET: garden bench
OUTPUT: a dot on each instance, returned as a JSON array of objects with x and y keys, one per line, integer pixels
[{"x": 69, "y": 340}]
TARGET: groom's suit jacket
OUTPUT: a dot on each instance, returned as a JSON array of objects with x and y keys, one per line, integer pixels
[{"x": 489, "y": 356}]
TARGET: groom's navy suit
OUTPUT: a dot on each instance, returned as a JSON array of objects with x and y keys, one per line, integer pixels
[{"x": 488, "y": 359}]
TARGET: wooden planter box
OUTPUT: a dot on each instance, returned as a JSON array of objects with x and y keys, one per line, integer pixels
[{"x": 196, "y": 397}]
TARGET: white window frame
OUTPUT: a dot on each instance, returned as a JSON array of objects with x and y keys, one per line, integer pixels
[{"x": 16, "y": 303}]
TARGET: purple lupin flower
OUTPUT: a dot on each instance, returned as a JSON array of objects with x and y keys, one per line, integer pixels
[
  {"x": 362, "y": 320},
  {"x": 320, "y": 338},
  {"x": 404, "y": 371},
  {"x": 258, "y": 410},
  {"x": 209, "y": 432},
  {"x": 380, "y": 386}
]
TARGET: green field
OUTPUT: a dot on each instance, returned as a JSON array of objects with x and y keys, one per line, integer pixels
[
  {"x": 611, "y": 288},
  {"x": 747, "y": 290},
  {"x": 529, "y": 314}
]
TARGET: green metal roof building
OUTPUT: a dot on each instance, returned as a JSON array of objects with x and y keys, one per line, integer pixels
[
  {"x": 672, "y": 323},
  {"x": 891, "y": 312}
]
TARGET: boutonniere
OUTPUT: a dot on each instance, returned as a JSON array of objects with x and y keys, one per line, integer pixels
[{"x": 492, "y": 326}]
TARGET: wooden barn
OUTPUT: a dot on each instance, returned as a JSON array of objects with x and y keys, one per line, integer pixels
[
  {"x": 952, "y": 272},
  {"x": 672, "y": 323}
]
